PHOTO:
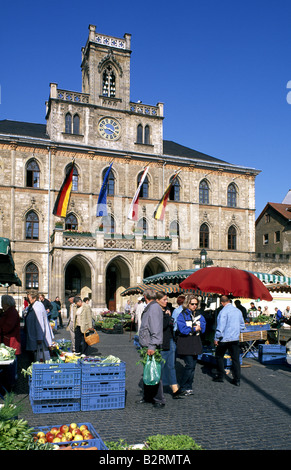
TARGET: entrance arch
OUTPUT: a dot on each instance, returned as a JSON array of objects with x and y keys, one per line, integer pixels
[
  {"x": 154, "y": 266},
  {"x": 117, "y": 280},
  {"x": 78, "y": 278}
]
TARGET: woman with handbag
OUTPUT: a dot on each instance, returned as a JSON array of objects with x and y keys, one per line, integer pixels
[
  {"x": 189, "y": 344},
  {"x": 82, "y": 322}
]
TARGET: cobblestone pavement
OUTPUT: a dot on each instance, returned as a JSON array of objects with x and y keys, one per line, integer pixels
[{"x": 219, "y": 416}]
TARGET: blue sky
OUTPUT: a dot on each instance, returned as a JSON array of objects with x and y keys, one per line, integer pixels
[{"x": 221, "y": 68}]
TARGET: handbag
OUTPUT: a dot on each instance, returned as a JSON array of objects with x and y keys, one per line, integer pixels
[
  {"x": 151, "y": 371},
  {"x": 91, "y": 336}
]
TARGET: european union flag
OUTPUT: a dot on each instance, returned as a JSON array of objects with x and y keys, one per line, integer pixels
[{"x": 102, "y": 199}]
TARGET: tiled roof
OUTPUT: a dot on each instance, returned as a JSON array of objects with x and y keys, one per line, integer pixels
[{"x": 283, "y": 209}]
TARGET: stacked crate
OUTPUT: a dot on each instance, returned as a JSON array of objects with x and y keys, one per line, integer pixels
[
  {"x": 102, "y": 385},
  {"x": 272, "y": 354},
  {"x": 55, "y": 387}
]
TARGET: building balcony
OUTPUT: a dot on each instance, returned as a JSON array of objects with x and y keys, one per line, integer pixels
[{"x": 112, "y": 241}]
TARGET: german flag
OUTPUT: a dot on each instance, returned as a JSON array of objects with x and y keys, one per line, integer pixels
[
  {"x": 160, "y": 210},
  {"x": 62, "y": 201}
]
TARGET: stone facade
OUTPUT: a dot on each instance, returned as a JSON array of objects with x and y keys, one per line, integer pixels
[{"x": 102, "y": 260}]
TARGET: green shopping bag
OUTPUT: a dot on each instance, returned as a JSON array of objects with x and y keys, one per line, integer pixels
[{"x": 151, "y": 371}]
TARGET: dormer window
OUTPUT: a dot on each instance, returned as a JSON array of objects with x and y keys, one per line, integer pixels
[{"x": 108, "y": 86}]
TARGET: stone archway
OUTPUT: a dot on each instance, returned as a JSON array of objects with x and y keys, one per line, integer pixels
[
  {"x": 154, "y": 266},
  {"x": 117, "y": 280},
  {"x": 78, "y": 278}
]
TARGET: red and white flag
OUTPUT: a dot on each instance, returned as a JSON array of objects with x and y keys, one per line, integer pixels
[{"x": 133, "y": 210}]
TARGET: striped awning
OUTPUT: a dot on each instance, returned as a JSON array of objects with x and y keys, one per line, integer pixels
[
  {"x": 175, "y": 277},
  {"x": 171, "y": 277},
  {"x": 170, "y": 289},
  {"x": 272, "y": 278}
]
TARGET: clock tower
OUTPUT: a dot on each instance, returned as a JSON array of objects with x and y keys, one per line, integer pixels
[{"x": 102, "y": 115}]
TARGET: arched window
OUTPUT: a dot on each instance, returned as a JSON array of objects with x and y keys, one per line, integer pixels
[
  {"x": 139, "y": 134},
  {"x": 231, "y": 238},
  {"x": 76, "y": 124},
  {"x": 71, "y": 222},
  {"x": 204, "y": 236},
  {"x": 75, "y": 179},
  {"x": 31, "y": 276},
  {"x": 143, "y": 226},
  {"x": 174, "y": 228},
  {"x": 144, "y": 190},
  {"x": 147, "y": 134},
  {"x": 231, "y": 195},
  {"x": 175, "y": 190},
  {"x": 68, "y": 123},
  {"x": 31, "y": 226},
  {"x": 32, "y": 174},
  {"x": 108, "y": 224},
  {"x": 203, "y": 192},
  {"x": 111, "y": 182},
  {"x": 108, "y": 84}
]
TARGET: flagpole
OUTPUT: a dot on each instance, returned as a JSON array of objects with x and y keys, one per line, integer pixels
[{"x": 48, "y": 227}]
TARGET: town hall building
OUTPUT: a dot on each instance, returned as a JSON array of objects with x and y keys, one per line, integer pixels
[{"x": 211, "y": 204}]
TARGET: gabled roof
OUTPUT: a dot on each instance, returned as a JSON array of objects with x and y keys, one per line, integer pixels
[{"x": 283, "y": 209}]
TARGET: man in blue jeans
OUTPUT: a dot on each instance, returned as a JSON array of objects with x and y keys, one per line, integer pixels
[{"x": 230, "y": 323}]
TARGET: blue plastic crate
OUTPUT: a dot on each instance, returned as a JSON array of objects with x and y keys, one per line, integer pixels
[
  {"x": 272, "y": 349},
  {"x": 55, "y": 406},
  {"x": 95, "y": 442},
  {"x": 104, "y": 401},
  {"x": 54, "y": 393},
  {"x": 95, "y": 371},
  {"x": 56, "y": 375},
  {"x": 211, "y": 359},
  {"x": 266, "y": 326},
  {"x": 272, "y": 359},
  {"x": 102, "y": 386}
]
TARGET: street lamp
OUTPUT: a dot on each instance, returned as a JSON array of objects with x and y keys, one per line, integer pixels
[{"x": 203, "y": 258}]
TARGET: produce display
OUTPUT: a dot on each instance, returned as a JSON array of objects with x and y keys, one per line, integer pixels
[
  {"x": 65, "y": 433},
  {"x": 6, "y": 353}
]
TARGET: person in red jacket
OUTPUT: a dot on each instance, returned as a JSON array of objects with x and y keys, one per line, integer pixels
[{"x": 10, "y": 336}]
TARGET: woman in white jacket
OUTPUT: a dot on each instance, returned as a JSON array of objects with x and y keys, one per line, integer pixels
[{"x": 39, "y": 335}]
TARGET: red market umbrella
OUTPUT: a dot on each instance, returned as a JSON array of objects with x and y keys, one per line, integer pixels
[{"x": 219, "y": 280}]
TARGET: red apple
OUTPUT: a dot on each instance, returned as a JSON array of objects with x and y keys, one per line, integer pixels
[
  {"x": 49, "y": 436},
  {"x": 64, "y": 428},
  {"x": 83, "y": 427},
  {"x": 89, "y": 436},
  {"x": 59, "y": 435},
  {"x": 54, "y": 430},
  {"x": 73, "y": 426}
]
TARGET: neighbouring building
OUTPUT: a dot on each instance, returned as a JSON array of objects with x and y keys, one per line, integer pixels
[
  {"x": 211, "y": 205},
  {"x": 273, "y": 237}
]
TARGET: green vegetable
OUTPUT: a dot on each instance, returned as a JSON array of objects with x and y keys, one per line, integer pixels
[
  {"x": 143, "y": 354},
  {"x": 16, "y": 435},
  {"x": 9, "y": 409},
  {"x": 6, "y": 353},
  {"x": 178, "y": 442}
]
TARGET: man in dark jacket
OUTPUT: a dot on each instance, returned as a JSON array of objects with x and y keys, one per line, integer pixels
[{"x": 151, "y": 337}]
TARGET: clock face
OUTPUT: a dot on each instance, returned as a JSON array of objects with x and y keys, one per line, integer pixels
[{"x": 109, "y": 128}]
